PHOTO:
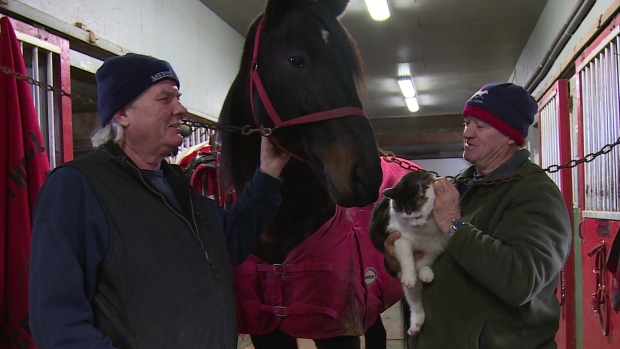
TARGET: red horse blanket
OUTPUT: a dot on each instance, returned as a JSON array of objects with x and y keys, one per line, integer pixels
[{"x": 332, "y": 284}]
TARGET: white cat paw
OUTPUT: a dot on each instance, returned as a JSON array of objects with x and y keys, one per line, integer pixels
[
  {"x": 417, "y": 320},
  {"x": 408, "y": 280},
  {"x": 426, "y": 274},
  {"x": 414, "y": 329}
]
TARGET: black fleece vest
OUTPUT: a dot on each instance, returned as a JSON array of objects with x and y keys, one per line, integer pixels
[{"x": 156, "y": 288}]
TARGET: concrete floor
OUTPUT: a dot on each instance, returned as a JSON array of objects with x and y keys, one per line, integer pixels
[{"x": 392, "y": 320}]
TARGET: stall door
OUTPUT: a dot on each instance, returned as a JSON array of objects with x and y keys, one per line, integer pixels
[{"x": 599, "y": 84}]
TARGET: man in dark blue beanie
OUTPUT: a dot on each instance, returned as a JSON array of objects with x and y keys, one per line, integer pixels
[
  {"x": 121, "y": 79},
  {"x": 125, "y": 254},
  {"x": 507, "y": 107},
  {"x": 509, "y": 235}
]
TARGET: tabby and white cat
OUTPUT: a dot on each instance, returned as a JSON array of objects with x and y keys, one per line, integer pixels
[{"x": 407, "y": 208}]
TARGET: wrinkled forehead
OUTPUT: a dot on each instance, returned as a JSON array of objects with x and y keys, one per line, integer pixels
[
  {"x": 164, "y": 88},
  {"x": 475, "y": 120}
]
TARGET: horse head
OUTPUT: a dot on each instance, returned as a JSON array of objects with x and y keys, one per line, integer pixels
[{"x": 299, "y": 78}]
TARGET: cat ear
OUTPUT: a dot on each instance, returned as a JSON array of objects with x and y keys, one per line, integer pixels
[{"x": 389, "y": 192}]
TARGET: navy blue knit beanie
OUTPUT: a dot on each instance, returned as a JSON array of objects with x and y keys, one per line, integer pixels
[
  {"x": 507, "y": 107},
  {"x": 121, "y": 79}
]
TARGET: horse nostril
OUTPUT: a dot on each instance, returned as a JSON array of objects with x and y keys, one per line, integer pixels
[{"x": 364, "y": 183}]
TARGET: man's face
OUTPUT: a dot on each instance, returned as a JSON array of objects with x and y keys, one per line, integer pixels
[
  {"x": 153, "y": 119},
  {"x": 485, "y": 147}
]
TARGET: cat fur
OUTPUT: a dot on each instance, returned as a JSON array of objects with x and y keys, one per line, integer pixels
[{"x": 407, "y": 208}]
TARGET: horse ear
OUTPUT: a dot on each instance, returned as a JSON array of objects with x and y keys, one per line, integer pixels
[{"x": 337, "y": 7}]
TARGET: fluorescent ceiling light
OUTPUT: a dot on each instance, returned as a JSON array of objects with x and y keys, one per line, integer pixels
[
  {"x": 412, "y": 104},
  {"x": 404, "y": 69},
  {"x": 378, "y": 9},
  {"x": 406, "y": 86}
]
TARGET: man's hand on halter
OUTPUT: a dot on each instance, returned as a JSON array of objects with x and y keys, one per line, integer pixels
[{"x": 272, "y": 160}]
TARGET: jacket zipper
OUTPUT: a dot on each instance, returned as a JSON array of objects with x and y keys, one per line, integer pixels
[
  {"x": 209, "y": 260},
  {"x": 194, "y": 228},
  {"x": 222, "y": 335}
]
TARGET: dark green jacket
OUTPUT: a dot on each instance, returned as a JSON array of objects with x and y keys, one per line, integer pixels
[{"x": 495, "y": 284}]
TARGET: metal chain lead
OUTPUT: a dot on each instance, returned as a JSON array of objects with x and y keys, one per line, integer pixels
[
  {"x": 265, "y": 131},
  {"x": 390, "y": 157},
  {"x": 55, "y": 90},
  {"x": 244, "y": 130}
]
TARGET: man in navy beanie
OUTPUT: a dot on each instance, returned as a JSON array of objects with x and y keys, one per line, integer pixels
[
  {"x": 509, "y": 236},
  {"x": 125, "y": 254},
  {"x": 507, "y": 107},
  {"x": 121, "y": 79}
]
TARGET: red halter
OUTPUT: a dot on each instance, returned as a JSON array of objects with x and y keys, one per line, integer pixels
[{"x": 255, "y": 81}]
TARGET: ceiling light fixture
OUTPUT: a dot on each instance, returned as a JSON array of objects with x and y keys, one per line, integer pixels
[
  {"x": 406, "y": 86},
  {"x": 379, "y": 9},
  {"x": 412, "y": 104}
]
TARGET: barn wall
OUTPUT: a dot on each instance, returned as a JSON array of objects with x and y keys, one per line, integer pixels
[
  {"x": 202, "y": 48},
  {"x": 550, "y": 23},
  {"x": 555, "y": 14}
]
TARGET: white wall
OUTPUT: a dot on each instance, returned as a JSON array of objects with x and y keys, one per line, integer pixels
[
  {"x": 203, "y": 50},
  {"x": 443, "y": 167},
  {"x": 590, "y": 22},
  {"x": 552, "y": 19}
]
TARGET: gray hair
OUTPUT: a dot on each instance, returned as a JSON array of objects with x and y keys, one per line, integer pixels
[{"x": 113, "y": 131}]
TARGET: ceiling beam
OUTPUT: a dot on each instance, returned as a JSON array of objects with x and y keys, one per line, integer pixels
[
  {"x": 415, "y": 122},
  {"x": 427, "y": 151},
  {"x": 404, "y": 138}
]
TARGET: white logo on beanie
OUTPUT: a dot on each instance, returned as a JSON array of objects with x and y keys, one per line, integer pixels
[
  {"x": 479, "y": 95},
  {"x": 163, "y": 75}
]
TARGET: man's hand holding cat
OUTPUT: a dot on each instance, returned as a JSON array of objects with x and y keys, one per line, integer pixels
[
  {"x": 446, "y": 207},
  {"x": 390, "y": 257}
]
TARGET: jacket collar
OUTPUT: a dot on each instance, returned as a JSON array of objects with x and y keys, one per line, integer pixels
[
  {"x": 174, "y": 174},
  {"x": 508, "y": 168},
  {"x": 118, "y": 155}
]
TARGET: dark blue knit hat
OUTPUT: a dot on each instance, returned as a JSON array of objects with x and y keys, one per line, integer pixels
[
  {"x": 507, "y": 107},
  {"x": 121, "y": 79}
]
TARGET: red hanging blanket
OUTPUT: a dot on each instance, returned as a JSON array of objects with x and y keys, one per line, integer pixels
[{"x": 23, "y": 167}]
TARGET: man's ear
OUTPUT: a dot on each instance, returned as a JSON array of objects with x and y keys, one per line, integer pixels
[{"x": 121, "y": 117}]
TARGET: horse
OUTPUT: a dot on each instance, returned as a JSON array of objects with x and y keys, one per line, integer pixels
[{"x": 313, "y": 273}]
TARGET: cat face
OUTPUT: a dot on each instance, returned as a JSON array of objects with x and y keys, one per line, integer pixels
[{"x": 413, "y": 197}]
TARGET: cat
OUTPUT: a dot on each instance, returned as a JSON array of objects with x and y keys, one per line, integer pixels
[{"x": 407, "y": 208}]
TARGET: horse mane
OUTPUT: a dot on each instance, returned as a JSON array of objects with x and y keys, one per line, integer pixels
[
  {"x": 235, "y": 113},
  {"x": 355, "y": 60}
]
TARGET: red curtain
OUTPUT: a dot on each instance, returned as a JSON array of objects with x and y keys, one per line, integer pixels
[{"x": 23, "y": 168}]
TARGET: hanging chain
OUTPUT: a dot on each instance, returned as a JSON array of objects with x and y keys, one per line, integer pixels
[
  {"x": 266, "y": 131},
  {"x": 390, "y": 157},
  {"x": 55, "y": 90},
  {"x": 245, "y": 130}
]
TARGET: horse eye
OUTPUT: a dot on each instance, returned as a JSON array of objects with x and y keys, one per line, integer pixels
[{"x": 297, "y": 61}]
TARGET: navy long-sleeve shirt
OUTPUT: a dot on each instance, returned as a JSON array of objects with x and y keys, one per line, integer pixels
[{"x": 70, "y": 240}]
